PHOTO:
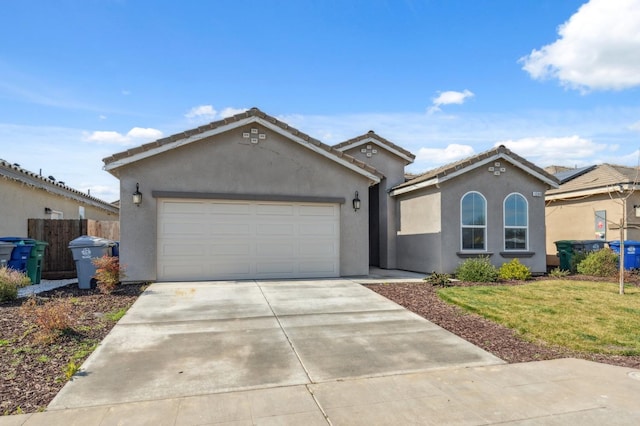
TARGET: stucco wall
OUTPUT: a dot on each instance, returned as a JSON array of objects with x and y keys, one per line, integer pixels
[
  {"x": 420, "y": 232},
  {"x": 575, "y": 220},
  {"x": 21, "y": 202},
  {"x": 494, "y": 189},
  {"x": 230, "y": 164},
  {"x": 392, "y": 167}
]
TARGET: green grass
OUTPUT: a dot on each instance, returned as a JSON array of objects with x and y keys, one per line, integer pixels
[
  {"x": 583, "y": 316},
  {"x": 116, "y": 315}
]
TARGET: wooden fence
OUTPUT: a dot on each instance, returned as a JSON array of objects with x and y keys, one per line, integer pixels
[{"x": 57, "y": 262}]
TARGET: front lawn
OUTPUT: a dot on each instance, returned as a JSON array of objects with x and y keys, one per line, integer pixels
[{"x": 578, "y": 315}]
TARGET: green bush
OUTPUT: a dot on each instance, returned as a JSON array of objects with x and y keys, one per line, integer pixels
[
  {"x": 558, "y": 273},
  {"x": 438, "y": 279},
  {"x": 514, "y": 270},
  {"x": 479, "y": 269},
  {"x": 576, "y": 259},
  {"x": 601, "y": 263},
  {"x": 10, "y": 281}
]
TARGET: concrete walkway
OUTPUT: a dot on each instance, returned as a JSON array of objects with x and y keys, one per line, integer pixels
[{"x": 316, "y": 352}]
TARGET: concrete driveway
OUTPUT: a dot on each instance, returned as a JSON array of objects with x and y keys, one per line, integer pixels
[{"x": 187, "y": 339}]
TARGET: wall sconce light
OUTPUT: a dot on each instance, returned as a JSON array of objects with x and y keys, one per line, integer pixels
[
  {"x": 47, "y": 210},
  {"x": 636, "y": 207},
  {"x": 137, "y": 196},
  {"x": 356, "y": 203}
]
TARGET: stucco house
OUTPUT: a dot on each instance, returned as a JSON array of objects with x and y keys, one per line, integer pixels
[
  {"x": 28, "y": 195},
  {"x": 251, "y": 197},
  {"x": 589, "y": 205}
]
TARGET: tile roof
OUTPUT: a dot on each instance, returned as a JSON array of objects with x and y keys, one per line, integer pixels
[
  {"x": 239, "y": 120},
  {"x": 18, "y": 174},
  {"x": 359, "y": 140},
  {"x": 566, "y": 175},
  {"x": 453, "y": 169},
  {"x": 600, "y": 178}
]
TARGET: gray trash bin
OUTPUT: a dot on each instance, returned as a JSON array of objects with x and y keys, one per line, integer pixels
[
  {"x": 5, "y": 253},
  {"x": 84, "y": 249}
]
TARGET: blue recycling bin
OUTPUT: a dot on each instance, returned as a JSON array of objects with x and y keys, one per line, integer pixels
[
  {"x": 631, "y": 253},
  {"x": 21, "y": 252}
]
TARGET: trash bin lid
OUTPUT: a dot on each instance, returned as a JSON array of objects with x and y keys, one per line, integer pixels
[
  {"x": 18, "y": 240},
  {"x": 89, "y": 241}
]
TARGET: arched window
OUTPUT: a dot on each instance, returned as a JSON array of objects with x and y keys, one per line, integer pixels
[
  {"x": 516, "y": 222},
  {"x": 473, "y": 220}
]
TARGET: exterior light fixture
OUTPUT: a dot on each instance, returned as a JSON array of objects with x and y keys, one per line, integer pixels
[
  {"x": 137, "y": 196},
  {"x": 356, "y": 203},
  {"x": 636, "y": 207}
]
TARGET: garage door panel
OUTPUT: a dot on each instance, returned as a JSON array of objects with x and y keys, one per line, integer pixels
[
  {"x": 191, "y": 207},
  {"x": 276, "y": 229},
  {"x": 275, "y": 267},
  {"x": 274, "y": 249},
  {"x": 315, "y": 268},
  {"x": 319, "y": 229},
  {"x": 274, "y": 209},
  {"x": 229, "y": 229},
  {"x": 230, "y": 208},
  {"x": 230, "y": 239},
  {"x": 320, "y": 249},
  {"x": 229, "y": 250},
  {"x": 314, "y": 210}
]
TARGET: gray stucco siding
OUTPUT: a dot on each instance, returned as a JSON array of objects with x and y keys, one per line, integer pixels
[
  {"x": 430, "y": 221},
  {"x": 230, "y": 164}
]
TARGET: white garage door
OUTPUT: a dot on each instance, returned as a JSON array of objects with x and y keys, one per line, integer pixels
[{"x": 229, "y": 239}]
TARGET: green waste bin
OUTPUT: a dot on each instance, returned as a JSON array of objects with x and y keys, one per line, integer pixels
[
  {"x": 34, "y": 263},
  {"x": 565, "y": 253}
]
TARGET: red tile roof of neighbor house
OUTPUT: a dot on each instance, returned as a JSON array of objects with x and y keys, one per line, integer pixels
[
  {"x": 238, "y": 118},
  {"x": 381, "y": 141},
  {"x": 458, "y": 167}
]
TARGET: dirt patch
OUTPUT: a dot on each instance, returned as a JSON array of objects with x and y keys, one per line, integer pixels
[
  {"x": 31, "y": 371},
  {"x": 501, "y": 341}
]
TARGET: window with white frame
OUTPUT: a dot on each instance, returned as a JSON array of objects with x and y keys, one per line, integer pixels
[
  {"x": 516, "y": 222},
  {"x": 473, "y": 220}
]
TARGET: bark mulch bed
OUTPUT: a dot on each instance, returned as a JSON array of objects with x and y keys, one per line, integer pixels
[
  {"x": 32, "y": 370},
  {"x": 501, "y": 341}
]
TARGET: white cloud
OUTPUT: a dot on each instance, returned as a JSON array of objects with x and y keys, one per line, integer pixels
[
  {"x": 126, "y": 92},
  {"x": 230, "y": 111},
  {"x": 450, "y": 97},
  {"x": 205, "y": 113},
  {"x": 144, "y": 133},
  {"x": 102, "y": 117},
  {"x": 564, "y": 151},
  {"x": 434, "y": 157},
  {"x": 598, "y": 48},
  {"x": 635, "y": 126},
  {"x": 202, "y": 112},
  {"x": 134, "y": 136}
]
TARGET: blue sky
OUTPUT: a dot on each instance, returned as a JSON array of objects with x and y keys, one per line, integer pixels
[{"x": 555, "y": 81}]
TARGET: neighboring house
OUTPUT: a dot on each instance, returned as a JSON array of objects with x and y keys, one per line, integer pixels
[
  {"x": 27, "y": 195},
  {"x": 589, "y": 205},
  {"x": 250, "y": 197}
]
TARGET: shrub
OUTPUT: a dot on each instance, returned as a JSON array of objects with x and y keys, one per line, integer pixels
[
  {"x": 601, "y": 263},
  {"x": 514, "y": 270},
  {"x": 558, "y": 273},
  {"x": 108, "y": 273},
  {"x": 438, "y": 279},
  {"x": 52, "y": 317},
  {"x": 576, "y": 259},
  {"x": 10, "y": 281},
  {"x": 477, "y": 269}
]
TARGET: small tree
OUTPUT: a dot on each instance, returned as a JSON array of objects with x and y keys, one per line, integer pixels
[{"x": 108, "y": 273}]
